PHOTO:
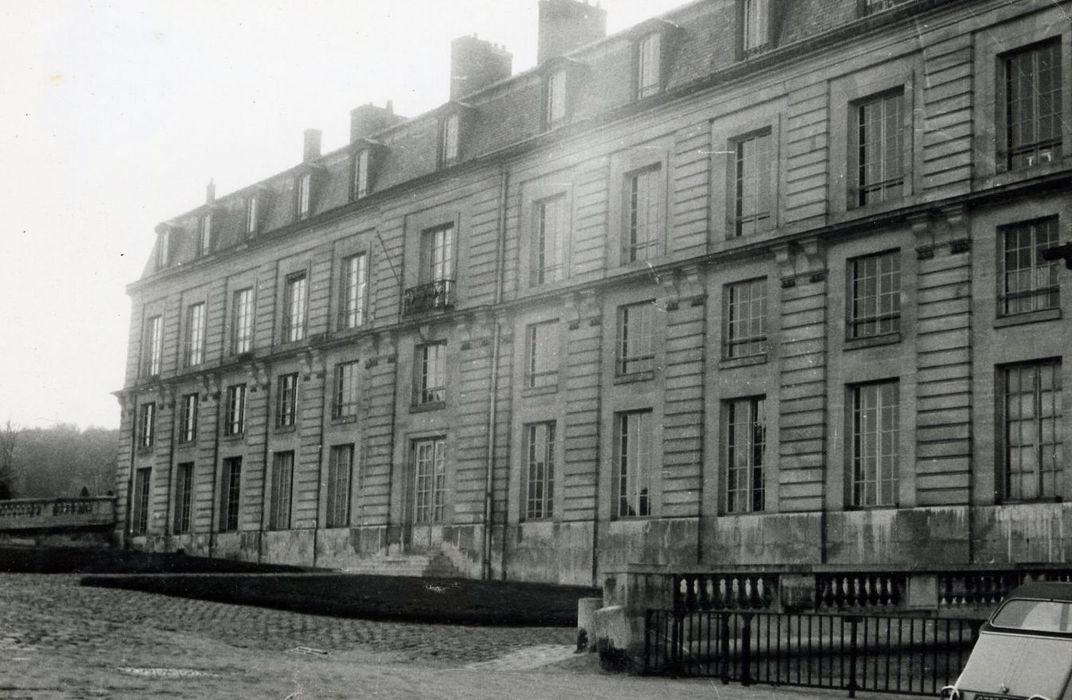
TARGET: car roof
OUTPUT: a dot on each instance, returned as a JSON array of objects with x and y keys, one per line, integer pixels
[{"x": 1043, "y": 590}]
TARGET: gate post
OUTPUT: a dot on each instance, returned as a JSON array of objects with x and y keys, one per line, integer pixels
[
  {"x": 853, "y": 622},
  {"x": 746, "y": 648}
]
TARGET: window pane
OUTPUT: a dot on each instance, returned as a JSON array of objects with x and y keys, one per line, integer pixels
[
  {"x": 339, "y": 475},
  {"x": 282, "y": 480},
  {"x": 875, "y": 437},
  {"x": 635, "y": 352},
  {"x": 1029, "y": 282},
  {"x": 539, "y": 449},
  {"x": 543, "y": 354},
  {"x": 880, "y": 173},
  {"x": 633, "y": 462},
  {"x": 746, "y": 319},
  {"x": 548, "y": 241},
  {"x": 745, "y": 446},
  {"x": 644, "y": 207},
  {"x": 875, "y": 303}
]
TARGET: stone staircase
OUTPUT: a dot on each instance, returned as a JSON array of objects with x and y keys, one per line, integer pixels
[{"x": 436, "y": 565}]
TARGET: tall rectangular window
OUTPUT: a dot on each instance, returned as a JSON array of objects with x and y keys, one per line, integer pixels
[
  {"x": 344, "y": 390},
  {"x": 879, "y": 149},
  {"x": 294, "y": 308},
  {"x": 430, "y": 480},
  {"x": 163, "y": 248},
  {"x": 746, "y": 442},
  {"x": 542, "y": 354},
  {"x": 252, "y": 215},
  {"x": 230, "y": 493},
  {"x": 184, "y": 492},
  {"x": 153, "y": 346},
  {"x": 286, "y": 400},
  {"x": 242, "y": 321},
  {"x": 437, "y": 254},
  {"x": 235, "y": 410},
  {"x": 354, "y": 292},
  {"x": 139, "y": 516},
  {"x": 632, "y": 460},
  {"x": 1029, "y": 283},
  {"x": 340, "y": 468},
  {"x": 188, "y": 419},
  {"x": 1033, "y": 119},
  {"x": 875, "y": 299},
  {"x": 746, "y": 319},
  {"x": 282, "y": 486},
  {"x": 549, "y": 241},
  {"x": 752, "y": 184},
  {"x": 204, "y": 234},
  {"x": 555, "y": 99},
  {"x": 147, "y": 425},
  {"x": 755, "y": 27},
  {"x": 431, "y": 369},
  {"x": 644, "y": 205},
  {"x": 635, "y": 349},
  {"x": 448, "y": 140},
  {"x": 361, "y": 174},
  {"x": 1030, "y": 409},
  {"x": 649, "y": 66},
  {"x": 305, "y": 194},
  {"x": 539, "y": 448},
  {"x": 195, "y": 334},
  {"x": 875, "y": 437}
]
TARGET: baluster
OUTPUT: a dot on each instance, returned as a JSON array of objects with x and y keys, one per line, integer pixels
[{"x": 747, "y": 598}]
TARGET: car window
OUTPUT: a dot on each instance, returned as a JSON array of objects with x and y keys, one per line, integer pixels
[{"x": 1035, "y": 616}]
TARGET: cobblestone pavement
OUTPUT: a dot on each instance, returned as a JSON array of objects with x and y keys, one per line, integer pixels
[{"x": 61, "y": 640}]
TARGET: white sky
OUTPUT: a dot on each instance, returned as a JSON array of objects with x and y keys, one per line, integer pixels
[{"x": 114, "y": 115}]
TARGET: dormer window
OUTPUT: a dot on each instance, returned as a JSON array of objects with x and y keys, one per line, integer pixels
[
  {"x": 252, "y": 215},
  {"x": 163, "y": 247},
  {"x": 449, "y": 139},
  {"x": 305, "y": 194},
  {"x": 361, "y": 174},
  {"x": 555, "y": 99},
  {"x": 204, "y": 234},
  {"x": 755, "y": 26},
  {"x": 649, "y": 66}
]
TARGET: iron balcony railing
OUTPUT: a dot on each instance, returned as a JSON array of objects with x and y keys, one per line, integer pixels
[{"x": 433, "y": 296}]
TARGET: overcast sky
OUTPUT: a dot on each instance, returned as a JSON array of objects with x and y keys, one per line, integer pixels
[{"x": 114, "y": 115}]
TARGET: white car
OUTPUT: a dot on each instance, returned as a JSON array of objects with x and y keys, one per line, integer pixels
[{"x": 1024, "y": 650}]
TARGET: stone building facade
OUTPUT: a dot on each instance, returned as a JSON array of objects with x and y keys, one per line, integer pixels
[{"x": 757, "y": 283}]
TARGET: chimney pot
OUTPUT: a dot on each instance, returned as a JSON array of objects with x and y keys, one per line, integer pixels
[
  {"x": 311, "y": 145},
  {"x": 210, "y": 192},
  {"x": 475, "y": 64},
  {"x": 566, "y": 25}
]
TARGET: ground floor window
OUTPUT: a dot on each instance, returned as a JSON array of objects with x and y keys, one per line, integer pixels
[
  {"x": 184, "y": 487},
  {"x": 1031, "y": 457},
  {"x": 139, "y": 522},
  {"x": 429, "y": 480},
  {"x": 230, "y": 493},
  {"x": 340, "y": 467},
  {"x": 632, "y": 459}
]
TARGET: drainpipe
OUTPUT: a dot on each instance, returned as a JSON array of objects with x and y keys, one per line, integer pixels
[
  {"x": 489, "y": 489},
  {"x": 267, "y": 429},
  {"x": 213, "y": 521},
  {"x": 168, "y": 523},
  {"x": 130, "y": 472}
]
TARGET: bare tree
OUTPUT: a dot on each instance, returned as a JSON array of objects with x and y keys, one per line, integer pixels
[{"x": 9, "y": 439}]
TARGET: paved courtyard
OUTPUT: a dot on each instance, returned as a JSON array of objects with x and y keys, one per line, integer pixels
[{"x": 61, "y": 640}]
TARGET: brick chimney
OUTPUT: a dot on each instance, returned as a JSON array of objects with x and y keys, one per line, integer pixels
[
  {"x": 475, "y": 63},
  {"x": 311, "y": 145},
  {"x": 367, "y": 119},
  {"x": 566, "y": 25}
]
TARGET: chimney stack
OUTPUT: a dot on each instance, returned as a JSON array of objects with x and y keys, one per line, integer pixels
[
  {"x": 367, "y": 119},
  {"x": 311, "y": 146},
  {"x": 210, "y": 192},
  {"x": 566, "y": 25},
  {"x": 475, "y": 64}
]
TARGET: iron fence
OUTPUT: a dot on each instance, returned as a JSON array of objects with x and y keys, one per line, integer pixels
[{"x": 911, "y": 655}]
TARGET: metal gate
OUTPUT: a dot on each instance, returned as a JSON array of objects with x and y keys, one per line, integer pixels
[{"x": 912, "y": 655}]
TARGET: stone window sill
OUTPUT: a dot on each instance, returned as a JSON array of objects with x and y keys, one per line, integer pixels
[
  {"x": 1028, "y": 317},
  {"x": 746, "y": 361},
  {"x": 645, "y": 376},
  {"x": 539, "y": 390},
  {"x": 872, "y": 341},
  {"x": 431, "y": 406}
]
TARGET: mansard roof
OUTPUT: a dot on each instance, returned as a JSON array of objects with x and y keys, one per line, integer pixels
[{"x": 704, "y": 47}]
